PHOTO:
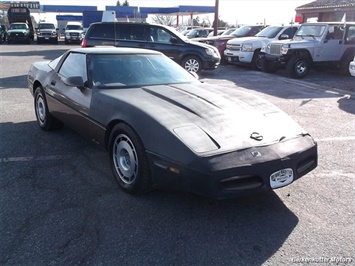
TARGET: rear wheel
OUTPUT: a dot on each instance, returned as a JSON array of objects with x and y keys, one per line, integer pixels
[
  {"x": 344, "y": 68},
  {"x": 192, "y": 64},
  {"x": 128, "y": 159},
  {"x": 45, "y": 120},
  {"x": 298, "y": 67}
]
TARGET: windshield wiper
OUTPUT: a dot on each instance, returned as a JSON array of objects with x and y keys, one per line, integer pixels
[{"x": 309, "y": 35}]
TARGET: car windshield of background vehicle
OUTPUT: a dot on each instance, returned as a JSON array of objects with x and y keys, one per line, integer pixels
[
  {"x": 46, "y": 26},
  {"x": 269, "y": 32},
  {"x": 241, "y": 31},
  {"x": 120, "y": 71},
  {"x": 311, "y": 30}
]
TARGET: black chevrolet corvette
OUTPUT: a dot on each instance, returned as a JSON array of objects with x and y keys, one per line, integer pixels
[{"x": 165, "y": 129}]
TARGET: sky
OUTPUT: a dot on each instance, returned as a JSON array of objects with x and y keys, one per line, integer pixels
[{"x": 231, "y": 11}]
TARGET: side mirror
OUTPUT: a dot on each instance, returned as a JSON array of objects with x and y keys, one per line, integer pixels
[
  {"x": 76, "y": 81},
  {"x": 284, "y": 37},
  {"x": 173, "y": 40}
]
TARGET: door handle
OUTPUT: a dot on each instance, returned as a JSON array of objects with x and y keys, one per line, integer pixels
[{"x": 53, "y": 82}]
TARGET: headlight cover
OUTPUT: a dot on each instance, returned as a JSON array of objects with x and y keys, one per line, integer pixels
[
  {"x": 247, "y": 47},
  {"x": 285, "y": 48}
]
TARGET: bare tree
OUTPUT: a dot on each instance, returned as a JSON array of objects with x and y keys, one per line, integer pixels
[
  {"x": 164, "y": 20},
  {"x": 206, "y": 22}
]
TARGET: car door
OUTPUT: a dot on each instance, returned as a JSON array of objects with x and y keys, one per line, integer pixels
[
  {"x": 71, "y": 104},
  {"x": 132, "y": 35},
  {"x": 333, "y": 46},
  {"x": 164, "y": 41}
]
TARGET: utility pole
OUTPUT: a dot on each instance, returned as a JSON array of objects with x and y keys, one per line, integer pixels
[{"x": 215, "y": 26}]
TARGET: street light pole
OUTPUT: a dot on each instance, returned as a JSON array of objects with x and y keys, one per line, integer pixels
[{"x": 215, "y": 26}]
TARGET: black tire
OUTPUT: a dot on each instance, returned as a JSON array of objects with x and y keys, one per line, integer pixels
[
  {"x": 298, "y": 67},
  {"x": 45, "y": 120},
  {"x": 268, "y": 66},
  {"x": 256, "y": 62},
  {"x": 66, "y": 41},
  {"x": 344, "y": 68},
  {"x": 192, "y": 64},
  {"x": 38, "y": 42},
  {"x": 128, "y": 160}
]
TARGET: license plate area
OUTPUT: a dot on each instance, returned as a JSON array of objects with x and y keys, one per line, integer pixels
[{"x": 281, "y": 178}]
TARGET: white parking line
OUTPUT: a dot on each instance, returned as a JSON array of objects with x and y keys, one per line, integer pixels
[
  {"x": 32, "y": 158},
  {"x": 336, "y": 139}
]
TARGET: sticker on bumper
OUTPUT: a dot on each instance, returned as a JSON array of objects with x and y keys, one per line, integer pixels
[{"x": 281, "y": 178}]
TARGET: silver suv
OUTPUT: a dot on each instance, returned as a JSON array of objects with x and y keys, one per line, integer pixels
[
  {"x": 47, "y": 32},
  {"x": 320, "y": 45},
  {"x": 245, "y": 51}
]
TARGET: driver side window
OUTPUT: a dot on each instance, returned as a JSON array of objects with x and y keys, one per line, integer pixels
[{"x": 74, "y": 65}]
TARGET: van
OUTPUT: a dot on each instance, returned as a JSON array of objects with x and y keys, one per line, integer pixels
[
  {"x": 193, "y": 56},
  {"x": 73, "y": 32}
]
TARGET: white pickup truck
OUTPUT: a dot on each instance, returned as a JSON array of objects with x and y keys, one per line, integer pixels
[{"x": 245, "y": 51}]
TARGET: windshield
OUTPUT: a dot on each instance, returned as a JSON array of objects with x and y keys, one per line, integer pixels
[
  {"x": 120, "y": 71},
  {"x": 269, "y": 32},
  {"x": 18, "y": 27},
  {"x": 311, "y": 30},
  {"x": 46, "y": 26},
  {"x": 243, "y": 31},
  {"x": 228, "y": 32},
  {"x": 74, "y": 27}
]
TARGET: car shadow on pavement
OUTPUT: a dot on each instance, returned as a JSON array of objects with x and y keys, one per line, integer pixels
[
  {"x": 14, "y": 82},
  {"x": 46, "y": 54},
  {"x": 60, "y": 205},
  {"x": 347, "y": 104},
  {"x": 279, "y": 84}
]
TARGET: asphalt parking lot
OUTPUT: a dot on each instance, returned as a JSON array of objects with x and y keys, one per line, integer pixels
[{"x": 60, "y": 205}]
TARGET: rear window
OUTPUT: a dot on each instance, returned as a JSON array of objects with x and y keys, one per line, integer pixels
[{"x": 102, "y": 31}]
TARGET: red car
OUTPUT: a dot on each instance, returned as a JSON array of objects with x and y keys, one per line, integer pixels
[{"x": 220, "y": 42}]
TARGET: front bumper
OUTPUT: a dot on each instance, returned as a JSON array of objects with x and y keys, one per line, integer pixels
[
  {"x": 18, "y": 38},
  {"x": 240, "y": 58},
  {"x": 76, "y": 39},
  {"x": 47, "y": 38},
  {"x": 278, "y": 59},
  {"x": 211, "y": 63},
  {"x": 237, "y": 173}
]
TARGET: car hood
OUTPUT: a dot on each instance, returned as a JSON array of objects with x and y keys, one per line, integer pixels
[
  {"x": 210, "y": 122},
  {"x": 75, "y": 31},
  {"x": 18, "y": 31},
  {"x": 248, "y": 39},
  {"x": 46, "y": 30},
  {"x": 197, "y": 43}
]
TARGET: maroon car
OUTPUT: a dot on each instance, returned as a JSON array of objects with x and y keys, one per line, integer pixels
[{"x": 220, "y": 42}]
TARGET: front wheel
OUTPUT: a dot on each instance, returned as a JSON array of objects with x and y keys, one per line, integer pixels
[
  {"x": 128, "y": 159},
  {"x": 256, "y": 62},
  {"x": 45, "y": 120},
  {"x": 192, "y": 64},
  {"x": 298, "y": 67}
]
